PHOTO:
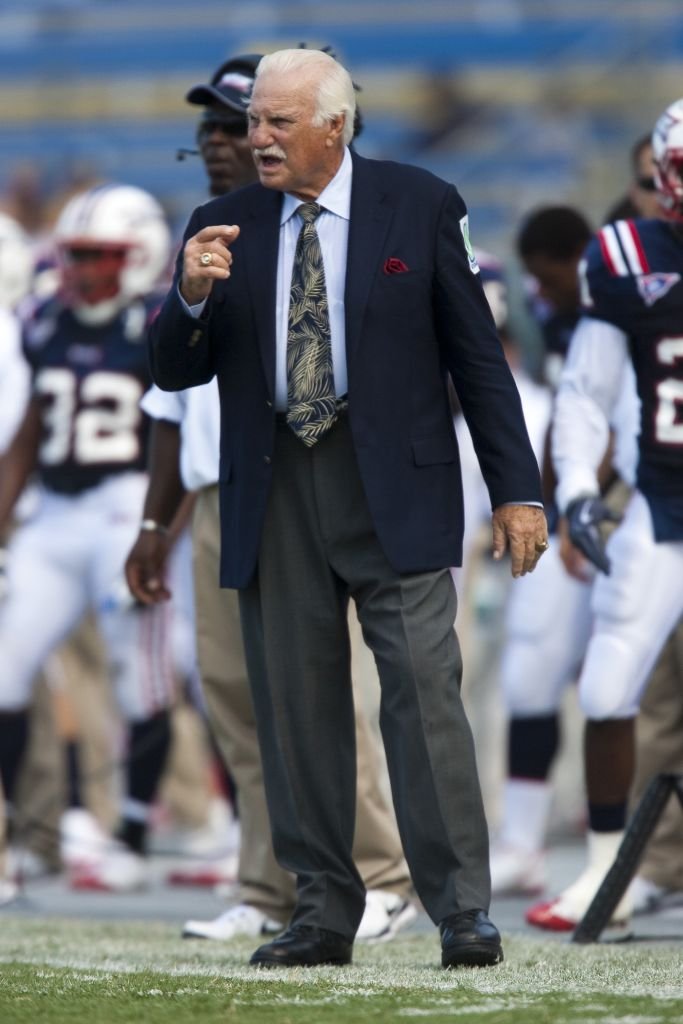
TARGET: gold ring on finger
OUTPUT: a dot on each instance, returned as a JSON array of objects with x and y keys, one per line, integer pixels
[
  {"x": 542, "y": 546},
  {"x": 206, "y": 259}
]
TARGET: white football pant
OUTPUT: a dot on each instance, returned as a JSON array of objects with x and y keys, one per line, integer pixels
[{"x": 68, "y": 557}]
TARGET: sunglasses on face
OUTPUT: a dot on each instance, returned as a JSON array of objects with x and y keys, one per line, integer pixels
[{"x": 211, "y": 122}]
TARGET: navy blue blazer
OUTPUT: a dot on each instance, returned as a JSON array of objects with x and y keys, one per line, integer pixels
[{"x": 405, "y": 332}]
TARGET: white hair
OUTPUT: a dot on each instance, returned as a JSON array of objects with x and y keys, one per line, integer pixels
[{"x": 335, "y": 92}]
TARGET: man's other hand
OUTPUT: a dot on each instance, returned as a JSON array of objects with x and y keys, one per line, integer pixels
[{"x": 524, "y": 530}]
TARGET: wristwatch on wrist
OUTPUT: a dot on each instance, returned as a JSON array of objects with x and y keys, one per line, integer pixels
[{"x": 152, "y": 526}]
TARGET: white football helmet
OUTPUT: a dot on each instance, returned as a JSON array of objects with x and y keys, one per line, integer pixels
[
  {"x": 125, "y": 229},
  {"x": 667, "y": 151},
  {"x": 16, "y": 262}
]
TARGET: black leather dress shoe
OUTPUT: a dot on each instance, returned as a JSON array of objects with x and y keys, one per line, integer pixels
[
  {"x": 304, "y": 946},
  {"x": 470, "y": 939}
]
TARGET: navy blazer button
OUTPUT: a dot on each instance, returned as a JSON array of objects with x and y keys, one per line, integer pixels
[
  {"x": 269, "y": 403},
  {"x": 267, "y": 459}
]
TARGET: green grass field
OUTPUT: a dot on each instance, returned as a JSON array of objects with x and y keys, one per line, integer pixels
[{"x": 71, "y": 972}]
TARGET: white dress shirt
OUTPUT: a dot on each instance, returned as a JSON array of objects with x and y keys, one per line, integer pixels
[
  {"x": 332, "y": 226},
  {"x": 15, "y": 378},
  {"x": 197, "y": 411}
]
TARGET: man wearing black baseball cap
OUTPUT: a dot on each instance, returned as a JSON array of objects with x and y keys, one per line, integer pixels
[{"x": 222, "y": 128}]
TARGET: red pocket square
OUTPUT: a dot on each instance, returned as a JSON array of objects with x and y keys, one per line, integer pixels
[{"x": 395, "y": 266}]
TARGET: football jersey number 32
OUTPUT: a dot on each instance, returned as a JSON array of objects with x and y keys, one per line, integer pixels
[{"x": 92, "y": 420}]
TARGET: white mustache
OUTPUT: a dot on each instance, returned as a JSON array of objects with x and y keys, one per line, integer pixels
[{"x": 270, "y": 151}]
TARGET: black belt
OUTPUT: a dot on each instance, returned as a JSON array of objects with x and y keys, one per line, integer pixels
[{"x": 342, "y": 408}]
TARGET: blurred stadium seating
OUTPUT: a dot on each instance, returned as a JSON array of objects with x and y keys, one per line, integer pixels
[{"x": 517, "y": 101}]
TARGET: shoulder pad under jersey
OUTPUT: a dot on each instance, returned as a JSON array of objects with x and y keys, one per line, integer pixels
[
  {"x": 613, "y": 262},
  {"x": 38, "y": 321}
]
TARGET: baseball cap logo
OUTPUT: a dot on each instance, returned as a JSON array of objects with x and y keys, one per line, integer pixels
[{"x": 234, "y": 80}]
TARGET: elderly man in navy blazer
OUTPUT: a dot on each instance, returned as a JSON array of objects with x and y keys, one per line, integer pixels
[{"x": 333, "y": 299}]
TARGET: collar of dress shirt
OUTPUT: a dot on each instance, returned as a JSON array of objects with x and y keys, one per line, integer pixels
[{"x": 335, "y": 197}]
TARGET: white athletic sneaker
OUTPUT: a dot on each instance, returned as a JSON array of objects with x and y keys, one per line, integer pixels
[
  {"x": 205, "y": 873},
  {"x": 82, "y": 840},
  {"x": 242, "y": 919},
  {"x": 117, "y": 870},
  {"x": 218, "y": 838},
  {"x": 23, "y": 865},
  {"x": 564, "y": 913},
  {"x": 9, "y": 891},
  {"x": 646, "y": 895},
  {"x": 650, "y": 898},
  {"x": 516, "y": 872},
  {"x": 385, "y": 914}
]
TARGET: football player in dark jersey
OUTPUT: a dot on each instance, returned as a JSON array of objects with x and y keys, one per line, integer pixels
[
  {"x": 83, "y": 437},
  {"x": 659, "y": 725},
  {"x": 548, "y": 623},
  {"x": 633, "y": 299}
]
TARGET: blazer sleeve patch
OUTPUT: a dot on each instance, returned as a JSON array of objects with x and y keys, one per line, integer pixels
[{"x": 471, "y": 258}]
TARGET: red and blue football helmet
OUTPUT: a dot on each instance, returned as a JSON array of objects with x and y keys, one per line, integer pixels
[{"x": 667, "y": 150}]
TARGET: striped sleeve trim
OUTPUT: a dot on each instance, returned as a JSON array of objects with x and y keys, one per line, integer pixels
[{"x": 622, "y": 249}]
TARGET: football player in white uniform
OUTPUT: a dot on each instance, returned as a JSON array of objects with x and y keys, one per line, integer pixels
[
  {"x": 548, "y": 617},
  {"x": 633, "y": 311},
  {"x": 16, "y": 266},
  {"x": 84, "y": 437}
]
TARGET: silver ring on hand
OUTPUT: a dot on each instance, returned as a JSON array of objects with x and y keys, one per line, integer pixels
[{"x": 206, "y": 259}]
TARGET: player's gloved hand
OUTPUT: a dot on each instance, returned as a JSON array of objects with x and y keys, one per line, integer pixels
[{"x": 584, "y": 517}]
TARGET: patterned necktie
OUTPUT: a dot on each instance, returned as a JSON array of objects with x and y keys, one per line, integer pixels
[{"x": 311, "y": 400}]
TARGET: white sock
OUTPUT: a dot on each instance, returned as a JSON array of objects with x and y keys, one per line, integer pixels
[{"x": 526, "y": 804}]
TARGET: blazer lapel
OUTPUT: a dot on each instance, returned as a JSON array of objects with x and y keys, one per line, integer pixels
[
  {"x": 261, "y": 236},
  {"x": 369, "y": 220}
]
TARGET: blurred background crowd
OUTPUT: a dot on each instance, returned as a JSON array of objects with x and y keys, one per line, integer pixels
[{"x": 518, "y": 101}]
